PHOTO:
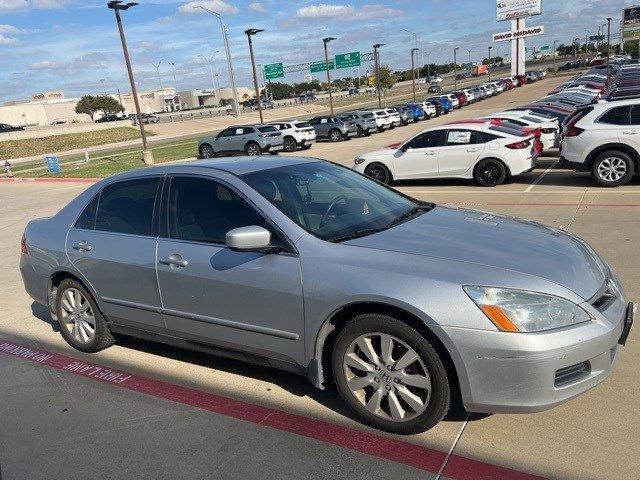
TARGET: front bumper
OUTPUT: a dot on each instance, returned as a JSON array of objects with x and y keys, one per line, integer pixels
[{"x": 531, "y": 372}]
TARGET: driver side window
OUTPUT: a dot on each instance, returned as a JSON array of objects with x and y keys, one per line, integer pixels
[{"x": 426, "y": 140}]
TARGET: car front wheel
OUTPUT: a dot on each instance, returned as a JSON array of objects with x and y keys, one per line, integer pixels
[
  {"x": 390, "y": 375},
  {"x": 206, "y": 151},
  {"x": 290, "y": 144},
  {"x": 612, "y": 169},
  {"x": 378, "y": 172},
  {"x": 335, "y": 135}
]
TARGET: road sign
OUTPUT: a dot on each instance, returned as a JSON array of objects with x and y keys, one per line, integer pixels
[
  {"x": 273, "y": 70},
  {"x": 514, "y": 34},
  {"x": 321, "y": 66},
  {"x": 544, "y": 48},
  {"x": 346, "y": 60},
  {"x": 53, "y": 164},
  {"x": 596, "y": 38}
]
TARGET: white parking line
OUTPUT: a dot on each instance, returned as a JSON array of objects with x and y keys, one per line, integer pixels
[{"x": 541, "y": 176}]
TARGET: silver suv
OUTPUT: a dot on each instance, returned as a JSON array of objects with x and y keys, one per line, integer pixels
[
  {"x": 365, "y": 122},
  {"x": 242, "y": 139},
  {"x": 334, "y": 128},
  {"x": 304, "y": 265}
]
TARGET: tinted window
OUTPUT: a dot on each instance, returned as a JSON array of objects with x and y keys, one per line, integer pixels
[
  {"x": 203, "y": 210},
  {"x": 302, "y": 125},
  {"x": 249, "y": 130},
  {"x": 366, "y": 115},
  {"x": 426, "y": 140},
  {"x": 87, "y": 218},
  {"x": 127, "y": 207},
  {"x": 635, "y": 115},
  {"x": 617, "y": 116},
  {"x": 268, "y": 128},
  {"x": 227, "y": 132}
]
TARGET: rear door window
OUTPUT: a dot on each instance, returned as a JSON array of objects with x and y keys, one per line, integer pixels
[
  {"x": 267, "y": 129},
  {"x": 462, "y": 137},
  {"x": 87, "y": 219},
  {"x": 127, "y": 207},
  {"x": 617, "y": 116}
]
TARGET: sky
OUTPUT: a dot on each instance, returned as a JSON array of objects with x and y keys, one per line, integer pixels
[{"x": 73, "y": 45}]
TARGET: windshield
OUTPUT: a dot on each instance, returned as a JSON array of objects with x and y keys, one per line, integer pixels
[{"x": 332, "y": 202}]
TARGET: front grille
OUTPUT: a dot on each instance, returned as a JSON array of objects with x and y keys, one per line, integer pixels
[{"x": 572, "y": 374}]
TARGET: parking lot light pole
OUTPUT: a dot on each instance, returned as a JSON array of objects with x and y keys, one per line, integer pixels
[
  {"x": 325, "y": 41},
  {"x": 608, "y": 50},
  {"x": 555, "y": 70},
  {"x": 376, "y": 61},
  {"x": 157, "y": 67},
  {"x": 250, "y": 33},
  {"x": 116, "y": 6},
  {"x": 227, "y": 49},
  {"x": 415, "y": 39},
  {"x": 210, "y": 62},
  {"x": 175, "y": 81},
  {"x": 489, "y": 63},
  {"x": 413, "y": 73},
  {"x": 455, "y": 67}
]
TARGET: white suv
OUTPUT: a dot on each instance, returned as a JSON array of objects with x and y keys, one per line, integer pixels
[
  {"x": 604, "y": 139},
  {"x": 296, "y": 134}
]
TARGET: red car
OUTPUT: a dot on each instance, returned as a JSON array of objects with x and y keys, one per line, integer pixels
[
  {"x": 462, "y": 98},
  {"x": 508, "y": 84},
  {"x": 522, "y": 80}
]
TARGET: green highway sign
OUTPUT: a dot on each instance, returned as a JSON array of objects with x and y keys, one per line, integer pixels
[
  {"x": 273, "y": 70},
  {"x": 346, "y": 60},
  {"x": 596, "y": 38},
  {"x": 321, "y": 66},
  {"x": 544, "y": 48}
]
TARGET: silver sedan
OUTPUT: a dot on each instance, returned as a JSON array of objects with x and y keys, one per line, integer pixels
[{"x": 307, "y": 266}]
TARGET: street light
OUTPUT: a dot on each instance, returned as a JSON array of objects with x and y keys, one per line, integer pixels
[
  {"x": 157, "y": 67},
  {"x": 225, "y": 38},
  {"x": 413, "y": 73},
  {"x": 250, "y": 33},
  {"x": 116, "y": 6},
  {"x": 325, "y": 41},
  {"x": 377, "y": 67},
  {"x": 455, "y": 67},
  {"x": 587, "y": 34},
  {"x": 555, "y": 71},
  {"x": 104, "y": 89},
  {"x": 469, "y": 51},
  {"x": 489, "y": 62},
  {"x": 608, "y": 49},
  {"x": 175, "y": 81},
  {"x": 415, "y": 38},
  {"x": 210, "y": 62},
  {"x": 575, "y": 47}
]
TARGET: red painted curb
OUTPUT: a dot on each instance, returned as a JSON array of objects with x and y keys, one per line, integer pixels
[
  {"x": 48, "y": 180},
  {"x": 416, "y": 456},
  {"x": 499, "y": 204}
]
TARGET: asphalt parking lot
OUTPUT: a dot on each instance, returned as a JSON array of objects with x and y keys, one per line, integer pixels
[{"x": 162, "y": 412}]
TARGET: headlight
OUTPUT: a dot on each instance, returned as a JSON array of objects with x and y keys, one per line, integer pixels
[
  {"x": 522, "y": 311},
  {"x": 358, "y": 160}
]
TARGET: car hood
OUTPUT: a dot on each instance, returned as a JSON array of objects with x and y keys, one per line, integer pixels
[{"x": 496, "y": 241}]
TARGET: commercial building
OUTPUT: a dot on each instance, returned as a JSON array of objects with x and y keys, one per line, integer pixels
[{"x": 42, "y": 109}]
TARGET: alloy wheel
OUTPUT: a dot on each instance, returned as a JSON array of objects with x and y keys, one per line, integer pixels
[
  {"x": 253, "y": 150},
  {"x": 387, "y": 377},
  {"x": 77, "y": 315},
  {"x": 335, "y": 136},
  {"x": 612, "y": 169},
  {"x": 377, "y": 172},
  {"x": 206, "y": 151},
  {"x": 290, "y": 145}
]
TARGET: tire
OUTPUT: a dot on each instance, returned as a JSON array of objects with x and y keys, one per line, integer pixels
[
  {"x": 379, "y": 172},
  {"x": 360, "y": 131},
  {"x": 419, "y": 388},
  {"x": 305, "y": 147},
  {"x": 489, "y": 172},
  {"x": 74, "y": 331},
  {"x": 335, "y": 135},
  {"x": 206, "y": 151},
  {"x": 252, "y": 149},
  {"x": 290, "y": 144},
  {"x": 612, "y": 168},
  {"x": 277, "y": 152}
]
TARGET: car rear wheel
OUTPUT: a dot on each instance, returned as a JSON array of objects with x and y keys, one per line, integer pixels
[
  {"x": 290, "y": 144},
  {"x": 252, "y": 149},
  {"x": 81, "y": 323},
  {"x": 490, "y": 172},
  {"x": 206, "y": 151},
  {"x": 390, "y": 375},
  {"x": 360, "y": 131},
  {"x": 335, "y": 135},
  {"x": 612, "y": 169},
  {"x": 378, "y": 172}
]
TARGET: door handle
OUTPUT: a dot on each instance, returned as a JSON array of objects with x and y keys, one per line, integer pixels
[
  {"x": 174, "y": 260},
  {"x": 631, "y": 132},
  {"x": 429, "y": 153},
  {"x": 82, "y": 246},
  {"x": 472, "y": 149}
]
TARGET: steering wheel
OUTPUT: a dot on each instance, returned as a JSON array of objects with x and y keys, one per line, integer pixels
[{"x": 332, "y": 205}]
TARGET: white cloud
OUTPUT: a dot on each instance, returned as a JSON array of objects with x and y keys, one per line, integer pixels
[
  {"x": 9, "y": 5},
  {"x": 377, "y": 11},
  {"x": 322, "y": 10},
  {"x": 7, "y": 40},
  {"x": 257, "y": 7},
  {"x": 44, "y": 65},
  {"x": 218, "y": 6},
  {"x": 10, "y": 30}
]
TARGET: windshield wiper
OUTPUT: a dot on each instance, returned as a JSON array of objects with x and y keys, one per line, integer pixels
[
  {"x": 357, "y": 234},
  {"x": 414, "y": 211}
]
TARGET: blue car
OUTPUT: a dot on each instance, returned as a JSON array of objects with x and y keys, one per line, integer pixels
[
  {"x": 446, "y": 103},
  {"x": 416, "y": 111}
]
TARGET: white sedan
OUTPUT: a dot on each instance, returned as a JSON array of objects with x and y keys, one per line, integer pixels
[
  {"x": 473, "y": 149},
  {"x": 549, "y": 134}
]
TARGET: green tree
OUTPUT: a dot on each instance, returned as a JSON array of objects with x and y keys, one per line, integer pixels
[
  {"x": 90, "y": 104},
  {"x": 387, "y": 78},
  {"x": 87, "y": 105}
]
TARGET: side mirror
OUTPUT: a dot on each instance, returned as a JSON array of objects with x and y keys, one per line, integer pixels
[{"x": 248, "y": 239}]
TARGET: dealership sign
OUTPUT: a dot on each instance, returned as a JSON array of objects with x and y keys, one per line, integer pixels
[
  {"x": 631, "y": 23},
  {"x": 513, "y": 9},
  {"x": 515, "y": 34}
]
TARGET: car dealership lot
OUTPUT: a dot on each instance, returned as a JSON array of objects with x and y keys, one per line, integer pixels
[{"x": 62, "y": 416}]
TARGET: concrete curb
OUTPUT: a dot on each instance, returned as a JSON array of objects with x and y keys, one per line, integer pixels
[{"x": 48, "y": 180}]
